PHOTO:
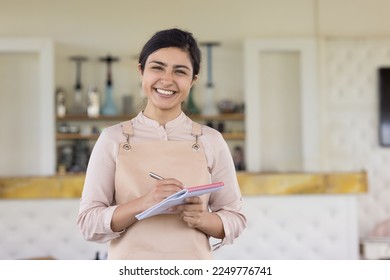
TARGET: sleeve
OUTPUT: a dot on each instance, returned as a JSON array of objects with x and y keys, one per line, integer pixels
[
  {"x": 226, "y": 203},
  {"x": 97, "y": 203}
]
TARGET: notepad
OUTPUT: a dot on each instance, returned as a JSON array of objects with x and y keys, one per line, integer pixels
[{"x": 178, "y": 199}]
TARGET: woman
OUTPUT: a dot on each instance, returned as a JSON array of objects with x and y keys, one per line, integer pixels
[{"x": 163, "y": 140}]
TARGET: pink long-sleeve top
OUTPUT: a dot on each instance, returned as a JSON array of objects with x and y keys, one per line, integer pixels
[{"x": 97, "y": 203}]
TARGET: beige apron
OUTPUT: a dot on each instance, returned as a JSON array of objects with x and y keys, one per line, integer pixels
[{"x": 162, "y": 236}]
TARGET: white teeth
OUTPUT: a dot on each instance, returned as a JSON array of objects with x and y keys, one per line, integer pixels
[{"x": 165, "y": 92}]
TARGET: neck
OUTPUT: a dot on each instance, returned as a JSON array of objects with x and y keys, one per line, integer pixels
[{"x": 161, "y": 116}]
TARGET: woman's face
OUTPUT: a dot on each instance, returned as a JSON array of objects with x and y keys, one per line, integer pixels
[{"x": 166, "y": 80}]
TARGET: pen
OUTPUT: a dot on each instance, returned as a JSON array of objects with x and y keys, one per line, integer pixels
[{"x": 155, "y": 176}]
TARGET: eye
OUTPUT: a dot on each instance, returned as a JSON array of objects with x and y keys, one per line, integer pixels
[
  {"x": 181, "y": 72},
  {"x": 157, "y": 67}
]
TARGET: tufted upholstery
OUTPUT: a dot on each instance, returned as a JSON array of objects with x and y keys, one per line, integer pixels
[
  {"x": 280, "y": 227},
  {"x": 350, "y": 127},
  {"x": 297, "y": 227},
  {"x": 42, "y": 228}
]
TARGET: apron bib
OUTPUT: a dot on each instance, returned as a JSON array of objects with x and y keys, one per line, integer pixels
[{"x": 163, "y": 236}]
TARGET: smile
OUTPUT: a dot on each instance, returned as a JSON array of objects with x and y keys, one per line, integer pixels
[{"x": 165, "y": 92}]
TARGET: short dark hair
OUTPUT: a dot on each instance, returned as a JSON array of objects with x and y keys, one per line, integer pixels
[{"x": 172, "y": 38}]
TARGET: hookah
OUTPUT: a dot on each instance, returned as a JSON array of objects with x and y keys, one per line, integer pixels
[
  {"x": 78, "y": 107},
  {"x": 209, "y": 107},
  {"x": 109, "y": 108}
]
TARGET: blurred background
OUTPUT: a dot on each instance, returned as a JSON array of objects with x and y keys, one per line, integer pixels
[{"x": 299, "y": 83}]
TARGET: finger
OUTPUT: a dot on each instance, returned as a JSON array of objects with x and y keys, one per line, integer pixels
[
  {"x": 169, "y": 182},
  {"x": 193, "y": 200},
  {"x": 196, "y": 208},
  {"x": 191, "y": 204},
  {"x": 168, "y": 187}
]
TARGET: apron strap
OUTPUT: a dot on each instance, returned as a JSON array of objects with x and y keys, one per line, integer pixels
[
  {"x": 127, "y": 129},
  {"x": 196, "y": 131}
]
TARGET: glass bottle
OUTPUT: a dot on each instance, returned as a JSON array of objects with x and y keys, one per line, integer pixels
[
  {"x": 93, "y": 103},
  {"x": 60, "y": 102}
]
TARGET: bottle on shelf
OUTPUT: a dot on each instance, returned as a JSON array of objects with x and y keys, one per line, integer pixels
[
  {"x": 60, "y": 102},
  {"x": 93, "y": 107}
]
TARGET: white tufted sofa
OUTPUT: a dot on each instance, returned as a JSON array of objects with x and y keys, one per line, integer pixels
[
  {"x": 297, "y": 227},
  {"x": 279, "y": 227},
  {"x": 43, "y": 228}
]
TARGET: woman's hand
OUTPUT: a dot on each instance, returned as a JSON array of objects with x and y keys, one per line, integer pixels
[
  {"x": 162, "y": 190},
  {"x": 192, "y": 212},
  {"x": 196, "y": 215}
]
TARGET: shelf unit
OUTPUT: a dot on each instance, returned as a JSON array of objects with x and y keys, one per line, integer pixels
[{"x": 231, "y": 135}]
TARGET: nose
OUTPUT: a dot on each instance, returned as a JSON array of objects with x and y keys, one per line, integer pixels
[{"x": 166, "y": 78}]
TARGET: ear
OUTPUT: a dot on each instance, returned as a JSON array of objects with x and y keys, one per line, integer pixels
[
  {"x": 140, "y": 70},
  {"x": 194, "y": 80}
]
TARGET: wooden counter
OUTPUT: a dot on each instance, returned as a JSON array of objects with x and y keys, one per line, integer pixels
[
  {"x": 303, "y": 183},
  {"x": 70, "y": 186}
]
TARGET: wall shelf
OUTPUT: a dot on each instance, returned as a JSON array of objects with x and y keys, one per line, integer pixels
[
  {"x": 76, "y": 136},
  {"x": 82, "y": 131}
]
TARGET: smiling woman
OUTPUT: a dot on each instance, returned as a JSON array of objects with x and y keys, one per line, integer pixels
[
  {"x": 161, "y": 139},
  {"x": 166, "y": 81}
]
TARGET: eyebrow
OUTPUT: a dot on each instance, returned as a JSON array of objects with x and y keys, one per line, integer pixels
[{"x": 174, "y": 66}]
